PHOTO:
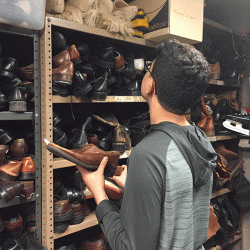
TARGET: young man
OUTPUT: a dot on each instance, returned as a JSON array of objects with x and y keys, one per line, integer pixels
[{"x": 169, "y": 173}]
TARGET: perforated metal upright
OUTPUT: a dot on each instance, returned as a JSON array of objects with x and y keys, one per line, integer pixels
[{"x": 47, "y": 133}]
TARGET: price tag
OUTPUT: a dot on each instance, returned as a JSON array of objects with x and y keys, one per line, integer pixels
[{"x": 124, "y": 99}]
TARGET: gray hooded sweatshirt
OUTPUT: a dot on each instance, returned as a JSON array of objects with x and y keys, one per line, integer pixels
[{"x": 167, "y": 192}]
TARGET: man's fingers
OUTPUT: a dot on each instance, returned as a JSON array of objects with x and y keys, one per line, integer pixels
[{"x": 103, "y": 164}]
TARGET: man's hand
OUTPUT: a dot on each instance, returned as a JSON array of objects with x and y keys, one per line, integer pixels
[
  {"x": 120, "y": 176},
  {"x": 95, "y": 181}
]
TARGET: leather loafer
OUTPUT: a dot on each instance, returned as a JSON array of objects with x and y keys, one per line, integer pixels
[
  {"x": 9, "y": 69},
  {"x": 9, "y": 190},
  {"x": 89, "y": 156}
]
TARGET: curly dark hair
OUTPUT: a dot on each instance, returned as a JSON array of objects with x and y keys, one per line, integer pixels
[{"x": 181, "y": 75}]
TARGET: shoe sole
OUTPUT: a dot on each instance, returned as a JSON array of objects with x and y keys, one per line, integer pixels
[{"x": 60, "y": 153}]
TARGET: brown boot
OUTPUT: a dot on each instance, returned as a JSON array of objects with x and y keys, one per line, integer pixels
[
  {"x": 74, "y": 54},
  {"x": 10, "y": 170},
  {"x": 60, "y": 59},
  {"x": 63, "y": 75},
  {"x": 209, "y": 127},
  {"x": 89, "y": 156}
]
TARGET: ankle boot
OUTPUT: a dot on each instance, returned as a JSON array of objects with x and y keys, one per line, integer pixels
[
  {"x": 60, "y": 59},
  {"x": 79, "y": 138},
  {"x": 18, "y": 149},
  {"x": 10, "y": 170},
  {"x": 209, "y": 127},
  {"x": 63, "y": 75},
  {"x": 17, "y": 102}
]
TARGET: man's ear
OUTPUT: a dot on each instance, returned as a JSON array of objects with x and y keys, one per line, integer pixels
[{"x": 150, "y": 86}]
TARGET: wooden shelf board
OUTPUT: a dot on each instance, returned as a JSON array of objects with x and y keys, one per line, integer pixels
[
  {"x": 221, "y": 192},
  {"x": 100, "y": 32},
  {"x": 89, "y": 221},
  {"x": 73, "y": 99},
  {"x": 216, "y": 82},
  {"x": 222, "y": 137}
]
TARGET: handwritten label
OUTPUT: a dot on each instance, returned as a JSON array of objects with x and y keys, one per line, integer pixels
[{"x": 124, "y": 99}]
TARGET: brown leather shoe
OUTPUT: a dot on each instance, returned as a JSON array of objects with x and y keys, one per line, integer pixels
[
  {"x": 119, "y": 62},
  {"x": 60, "y": 59},
  {"x": 209, "y": 127},
  {"x": 89, "y": 156},
  {"x": 28, "y": 169},
  {"x": 10, "y": 170},
  {"x": 18, "y": 149},
  {"x": 113, "y": 191},
  {"x": 74, "y": 54},
  {"x": 78, "y": 213},
  {"x": 15, "y": 226},
  {"x": 62, "y": 209},
  {"x": 9, "y": 190},
  {"x": 63, "y": 75},
  {"x": 93, "y": 245},
  {"x": 28, "y": 189},
  {"x": 227, "y": 154},
  {"x": 3, "y": 151},
  {"x": 93, "y": 139}
]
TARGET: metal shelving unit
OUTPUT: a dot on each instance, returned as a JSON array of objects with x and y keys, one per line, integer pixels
[{"x": 32, "y": 116}]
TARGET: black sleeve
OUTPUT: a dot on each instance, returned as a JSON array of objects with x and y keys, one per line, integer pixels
[{"x": 136, "y": 226}]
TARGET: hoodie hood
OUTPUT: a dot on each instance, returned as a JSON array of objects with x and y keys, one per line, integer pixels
[{"x": 195, "y": 147}]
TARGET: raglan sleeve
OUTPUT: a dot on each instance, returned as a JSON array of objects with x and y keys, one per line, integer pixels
[{"x": 136, "y": 225}]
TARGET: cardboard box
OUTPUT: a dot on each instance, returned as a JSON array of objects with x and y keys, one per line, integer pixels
[{"x": 180, "y": 19}]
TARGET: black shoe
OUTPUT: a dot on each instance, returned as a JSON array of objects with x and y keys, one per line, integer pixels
[
  {"x": 79, "y": 138},
  {"x": 84, "y": 51},
  {"x": 17, "y": 102},
  {"x": 81, "y": 86},
  {"x": 59, "y": 137},
  {"x": 100, "y": 88},
  {"x": 104, "y": 58},
  {"x": 3, "y": 101},
  {"x": 59, "y": 90},
  {"x": 59, "y": 42},
  {"x": 9, "y": 69}
]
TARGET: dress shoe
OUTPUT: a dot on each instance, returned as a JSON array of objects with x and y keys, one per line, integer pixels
[
  {"x": 62, "y": 209},
  {"x": 60, "y": 59},
  {"x": 81, "y": 85},
  {"x": 72, "y": 194},
  {"x": 88, "y": 157},
  {"x": 18, "y": 149},
  {"x": 74, "y": 53},
  {"x": 113, "y": 191},
  {"x": 59, "y": 42},
  {"x": 129, "y": 72},
  {"x": 132, "y": 88},
  {"x": 99, "y": 88},
  {"x": 17, "y": 102},
  {"x": 58, "y": 89},
  {"x": 9, "y": 170},
  {"x": 119, "y": 62},
  {"x": 11, "y": 244},
  {"x": 70, "y": 247},
  {"x": 3, "y": 101},
  {"x": 98, "y": 244},
  {"x": 104, "y": 57},
  {"x": 5, "y": 136},
  {"x": 14, "y": 225},
  {"x": 63, "y": 75},
  {"x": 28, "y": 169},
  {"x": 9, "y": 190},
  {"x": 77, "y": 212},
  {"x": 29, "y": 241},
  {"x": 9, "y": 69},
  {"x": 209, "y": 126},
  {"x": 79, "y": 138},
  {"x": 3, "y": 151},
  {"x": 28, "y": 189},
  {"x": 84, "y": 51},
  {"x": 88, "y": 68},
  {"x": 59, "y": 137}
]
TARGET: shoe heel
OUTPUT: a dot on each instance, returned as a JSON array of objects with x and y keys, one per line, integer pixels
[
  {"x": 99, "y": 96},
  {"x": 119, "y": 147}
]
